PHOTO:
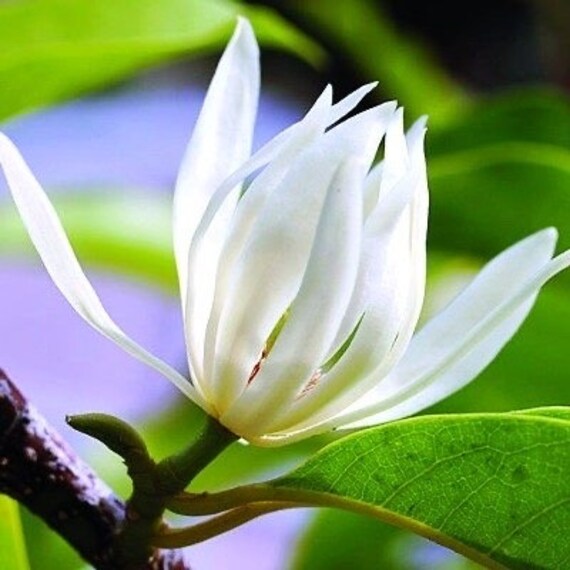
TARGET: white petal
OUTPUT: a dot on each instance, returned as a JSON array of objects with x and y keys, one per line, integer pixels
[
  {"x": 49, "y": 239},
  {"x": 249, "y": 208},
  {"x": 372, "y": 188},
  {"x": 389, "y": 293},
  {"x": 461, "y": 341},
  {"x": 220, "y": 142},
  {"x": 404, "y": 204},
  {"x": 346, "y": 105},
  {"x": 269, "y": 271},
  {"x": 278, "y": 145},
  {"x": 281, "y": 148},
  {"x": 396, "y": 158},
  {"x": 389, "y": 171},
  {"x": 205, "y": 297},
  {"x": 317, "y": 310}
]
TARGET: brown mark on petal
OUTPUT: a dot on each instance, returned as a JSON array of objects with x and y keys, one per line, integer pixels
[
  {"x": 311, "y": 384},
  {"x": 257, "y": 366},
  {"x": 271, "y": 339}
]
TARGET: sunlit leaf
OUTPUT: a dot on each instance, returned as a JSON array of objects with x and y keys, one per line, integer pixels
[
  {"x": 12, "y": 545},
  {"x": 490, "y": 486},
  {"x": 51, "y": 50}
]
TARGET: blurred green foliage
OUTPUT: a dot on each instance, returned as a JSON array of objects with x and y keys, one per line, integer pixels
[
  {"x": 54, "y": 49},
  {"x": 46, "y": 550},
  {"x": 372, "y": 544},
  {"x": 360, "y": 31}
]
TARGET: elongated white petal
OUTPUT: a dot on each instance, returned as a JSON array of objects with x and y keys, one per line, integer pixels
[
  {"x": 396, "y": 156},
  {"x": 277, "y": 250},
  {"x": 389, "y": 171},
  {"x": 281, "y": 150},
  {"x": 49, "y": 239},
  {"x": 316, "y": 312},
  {"x": 461, "y": 341},
  {"x": 249, "y": 208},
  {"x": 387, "y": 297},
  {"x": 278, "y": 146},
  {"x": 407, "y": 198},
  {"x": 372, "y": 189},
  {"x": 202, "y": 312},
  {"x": 346, "y": 105},
  {"x": 220, "y": 142}
]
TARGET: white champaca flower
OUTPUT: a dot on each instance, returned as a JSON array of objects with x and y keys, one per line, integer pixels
[{"x": 301, "y": 293}]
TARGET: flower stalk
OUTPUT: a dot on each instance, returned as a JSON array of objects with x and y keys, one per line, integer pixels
[
  {"x": 153, "y": 484},
  {"x": 175, "y": 472}
]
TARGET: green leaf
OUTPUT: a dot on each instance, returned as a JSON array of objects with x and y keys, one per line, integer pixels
[
  {"x": 556, "y": 412},
  {"x": 12, "y": 545},
  {"x": 493, "y": 487},
  {"x": 51, "y": 50}
]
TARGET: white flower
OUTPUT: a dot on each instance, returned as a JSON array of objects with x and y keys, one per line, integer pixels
[{"x": 300, "y": 295}]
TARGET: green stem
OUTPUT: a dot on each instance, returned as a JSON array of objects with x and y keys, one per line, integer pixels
[
  {"x": 175, "y": 473},
  {"x": 154, "y": 484},
  {"x": 259, "y": 498},
  {"x": 201, "y": 504},
  {"x": 170, "y": 476},
  {"x": 180, "y": 537}
]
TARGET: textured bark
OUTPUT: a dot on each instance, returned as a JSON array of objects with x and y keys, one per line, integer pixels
[{"x": 39, "y": 470}]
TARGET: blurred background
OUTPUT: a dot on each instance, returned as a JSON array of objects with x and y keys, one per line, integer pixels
[{"x": 101, "y": 99}]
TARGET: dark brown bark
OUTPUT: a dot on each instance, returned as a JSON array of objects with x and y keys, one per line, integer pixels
[{"x": 39, "y": 470}]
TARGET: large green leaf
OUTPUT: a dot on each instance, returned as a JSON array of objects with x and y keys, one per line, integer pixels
[
  {"x": 12, "y": 545},
  {"x": 493, "y": 487},
  {"x": 531, "y": 370},
  {"x": 51, "y": 50}
]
